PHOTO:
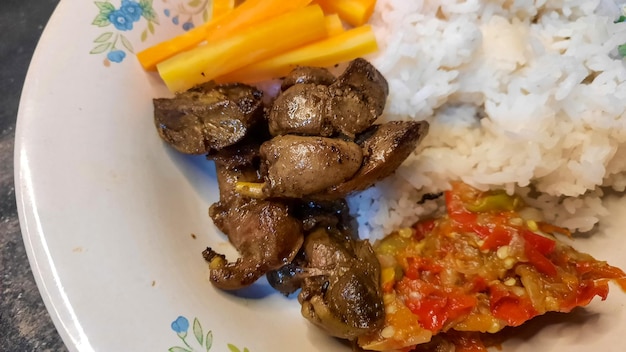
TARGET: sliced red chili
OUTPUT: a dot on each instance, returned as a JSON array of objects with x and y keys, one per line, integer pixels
[
  {"x": 594, "y": 270},
  {"x": 423, "y": 228},
  {"x": 417, "y": 266},
  {"x": 478, "y": 284},
  {"x": 540, "y": 243},
  {"x": 494, "y": 236},
  {"x": 585, "y": 292},
  {"x": 437, "y": 308},
  {"x": 536, "y": 249},
  {"x": 425, "y": 297},
  {"x": 509, "y": 307},
  {"x": 456, "y": 208},
  {"x": 597, "y": 269},
  {"x": 540, "y": 262}
]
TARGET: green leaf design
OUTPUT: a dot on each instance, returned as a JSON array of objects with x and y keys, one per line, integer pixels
[
  {"x": 145, "y": 4},
  {"x": 194, "y": 3},
  {"x": 151, "y": 16},
  {"x": 209, "y": 340},
  {"x": 621, "y": 19},
  {"x": 178, "y": 349},
  {"x": 144, "y": 35},
  {"x": 103, "y": 37},
  {"x": 100, "y": 48},
  {"x": 233, "y": 348},
  {"x": 197, "y": 331},
  {"x": 245, "y": 349},
  {"x": 151, "y": 27},
  {"x": 101, "y": 20},
  {"x": 148, "y": 11},
  {"x": 105, "y": 7},
  {"x": 126, "y": 44}
]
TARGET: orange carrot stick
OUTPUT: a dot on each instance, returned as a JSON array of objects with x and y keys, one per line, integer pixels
[
  {"x": 248, "y": 13},
  {"x": 257, "y": 43},
  {"x": 355, "y": 12},
  {"x": 221, "y": 7}
]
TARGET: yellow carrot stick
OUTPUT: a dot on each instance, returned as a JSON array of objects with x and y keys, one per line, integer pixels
[
  {"x": 334, "y": 25},
  {"x": 355, "y": 12},
  {"x": 343, "y": 47},
  {"x": 257, "y": 43},
  {"x": 243, "y": 16},
  {"x": 221, "y": 7}
]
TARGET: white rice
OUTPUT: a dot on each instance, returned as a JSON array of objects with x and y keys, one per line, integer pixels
[{"x": 520, "y": 95}]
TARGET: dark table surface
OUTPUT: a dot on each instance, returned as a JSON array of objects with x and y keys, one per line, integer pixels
[{"x": 25, "y": 324}]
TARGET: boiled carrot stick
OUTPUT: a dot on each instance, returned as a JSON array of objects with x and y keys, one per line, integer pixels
[
  {"x": 334, "y": 25},
  {"x": 221, "y": 7},
  {"x": 148, "y": 58},
  {"x": 343, "y": 47},
  {"x": 243, "y": 16},
  {"x": 265, "y": 40},
  {"x": 354, "y": 12},
  {"x": 251, "y": 12}
]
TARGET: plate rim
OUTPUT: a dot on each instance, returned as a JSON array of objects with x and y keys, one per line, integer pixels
[{"x": 41, "y": 263}]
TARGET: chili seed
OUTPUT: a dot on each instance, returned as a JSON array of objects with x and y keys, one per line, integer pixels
[
  {"x": 405, "y": 232},
  {"x": 510, "y": 281},
  {"x": 503, "y": 252},
  {"x": 388, "y": 332}
]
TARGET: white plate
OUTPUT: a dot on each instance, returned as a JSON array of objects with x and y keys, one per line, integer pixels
[{"x": 108, "y": 211}]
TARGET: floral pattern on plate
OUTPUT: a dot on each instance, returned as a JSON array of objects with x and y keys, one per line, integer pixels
[
  {"x": 189, "y": 14},
  {"x": 132, "y": 16},
  {"x": 204, "y": 342},
  {"x": 123, "y": 19}
]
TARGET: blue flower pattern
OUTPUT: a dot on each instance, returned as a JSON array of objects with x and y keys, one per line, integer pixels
[
  {"x": 124, "y": 18},
  {"x": 131, "y": 10},
  {"x": 120, "y": 20},
  {"x": 189, "y": 13},
  {"x": 188, "y": 25},
  {"x": 116, "y": 56},
  {"x": 202, "y": 342},
  {"x": 180, "y": 325}
]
